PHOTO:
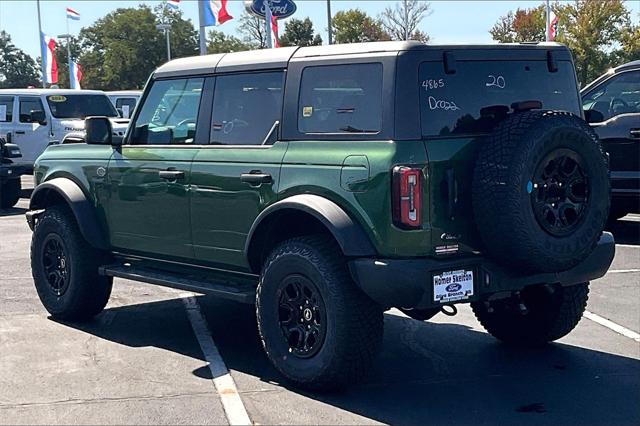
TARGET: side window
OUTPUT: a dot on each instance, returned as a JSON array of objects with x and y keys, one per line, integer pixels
[
  {"x": 245, "y": 107},
  {"x": 618, "y": 95},
  {"x": 341, "y": 99},
  {"x": 125, "y": 106},
  {"x": 29, "y": 106},
  {"x": 6, "y": 109},
  {"x": 169, "y": 114}
]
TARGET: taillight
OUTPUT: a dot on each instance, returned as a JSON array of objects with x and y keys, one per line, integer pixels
[{"x": 407, "y": 197}]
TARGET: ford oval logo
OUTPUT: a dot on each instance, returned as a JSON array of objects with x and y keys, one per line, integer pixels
[
  {"x": 279, "y": 8},
  {"x": 451, "y": 288}
]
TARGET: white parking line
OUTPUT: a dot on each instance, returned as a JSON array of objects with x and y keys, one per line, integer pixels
[
  {"x": 233, "y": 407},
  {"x": 627, "y": 245},
  {"x": 622, "y": 271},
  {"x": 612, "y": 326}
]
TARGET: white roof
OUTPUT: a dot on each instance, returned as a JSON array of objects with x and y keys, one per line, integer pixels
[
  {"x": 38, "y": 92},
  {"x": 124, "y": 93}
]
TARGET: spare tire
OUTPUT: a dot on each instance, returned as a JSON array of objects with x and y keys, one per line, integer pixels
[{"x": 541, "y": 191}]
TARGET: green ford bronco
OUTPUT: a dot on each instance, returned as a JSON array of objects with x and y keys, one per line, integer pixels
[{"x": 328, "y": 184}]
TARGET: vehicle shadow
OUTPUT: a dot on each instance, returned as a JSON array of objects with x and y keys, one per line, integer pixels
[
  {"x": 435, "y": 373},
  {"x": 625, "y": 231},
  {"x": 14, "y": 211}
]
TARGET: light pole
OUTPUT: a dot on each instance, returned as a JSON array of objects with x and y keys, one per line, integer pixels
[
  {"x": 329, "y": 22},
  {"x": 68, "y": 37},
  {"x": 167, "y": 29}
]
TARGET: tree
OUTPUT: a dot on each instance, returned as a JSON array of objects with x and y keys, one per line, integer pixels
[
  {"x": 523, "y": 25},
  {"x": 17, "y": 69},
  {"x": 219, "y": 42},
  {"x": 401, "y": 21},
  {"x": 298, "y": 32},
  {"x": 120, "y": 50},
  {"x": 252, "y": 30},
  {"x": 630, "y": 44},
  {"x": 355, "y": 26}
]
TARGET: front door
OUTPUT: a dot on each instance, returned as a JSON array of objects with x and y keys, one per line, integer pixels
[
  {"x": 31, "y": 135},
  {"x": 149, "y": 177},
  {"x": 237, "y": 175}
]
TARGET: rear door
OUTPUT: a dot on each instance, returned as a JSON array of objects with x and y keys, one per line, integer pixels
[
  {"x": 237, "y": 175},
  {"x": 31, "y": 136},
  {"x": 149, "y": 177}
]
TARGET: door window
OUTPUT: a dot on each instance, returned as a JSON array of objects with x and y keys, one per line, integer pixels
[
  {"x": 29, "y": 106},
  {"x": 246, "y": 107},
  {"x": 6, "y": 109},
  {"x": 169, "y": 114},
  {"x": 618, "y": 95},
  {"x": 125, "y": 106},
  {"x": 341, "y": 99}
]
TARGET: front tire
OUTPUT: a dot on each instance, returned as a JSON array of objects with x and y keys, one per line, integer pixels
[
  {"x": 10, "y": 193},
  {"x": 317, "y": 328},
  {"x": 65, "y": 268},
  {"x": 552, "y": 312}
]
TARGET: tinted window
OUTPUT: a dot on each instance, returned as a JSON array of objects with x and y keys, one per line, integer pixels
[
  {"x": 125, "y": 106},
  {"x": 245, "y": 108},
  {"x": 618, "y": 95},
  {"x": 480, "y": 93},
  {"x": 6, "y": 104},
  {"x": 27, "y": 106},
  {"x": 80, "y": 106},
  {"x": 341, "y": 99},
  {"x": 169, "y": 114}
]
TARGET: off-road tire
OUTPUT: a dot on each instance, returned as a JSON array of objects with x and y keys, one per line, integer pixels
[
  {"x": 549, "y": 316},
  {"x": 502, "y": 191},
  {"x": 87, "y": 292},
  {"x": 354, "y": 322},
  {"x": 9, "y": 193}
]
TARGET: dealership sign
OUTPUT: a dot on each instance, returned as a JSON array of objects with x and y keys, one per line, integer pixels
[{"x": 280, "y": 9}]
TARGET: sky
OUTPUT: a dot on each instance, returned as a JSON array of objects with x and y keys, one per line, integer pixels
[{"x": 452, "y": 21}]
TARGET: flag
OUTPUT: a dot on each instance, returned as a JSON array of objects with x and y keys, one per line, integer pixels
[
  {"x": 76, "y": 75},
  {"x": 174, "y": 4},
  {"x": 553, "y": 26},
  {"x": 274, "y": 29},
  {"x": 72, "y": 14},
  {"x": 47, "y": 47},
  {"x": 215, "y": 12}
]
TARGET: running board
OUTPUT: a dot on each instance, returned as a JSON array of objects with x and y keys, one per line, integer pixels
[{"x": 199, "y": 284}]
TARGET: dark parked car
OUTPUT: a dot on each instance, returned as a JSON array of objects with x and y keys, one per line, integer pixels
[
  {"x": 326, "y": 184},
  {"x": 612, "y": 107},
  {"x": 10, "y": 173}
]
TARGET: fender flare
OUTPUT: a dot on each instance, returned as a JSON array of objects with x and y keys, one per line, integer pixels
[
  {"x": 83, "y": 210},
  {"x": 350, "y": 236}
]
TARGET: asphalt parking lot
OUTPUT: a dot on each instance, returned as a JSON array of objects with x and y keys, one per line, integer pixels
[{"x": 140, "y": 361}]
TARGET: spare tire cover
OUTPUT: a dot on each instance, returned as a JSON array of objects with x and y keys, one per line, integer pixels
[{"x": 541, "y": 191}]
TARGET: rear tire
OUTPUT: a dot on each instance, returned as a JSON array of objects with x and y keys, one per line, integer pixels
[
  {"x": 550, "y": 315},
  {"x": 344, "y": 326},
  {"x": 10, "y": 193},
  {"x": 65, "y": 268}
]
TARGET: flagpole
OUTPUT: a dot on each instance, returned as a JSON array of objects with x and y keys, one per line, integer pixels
[
  {"x": 202, "y": 35},
  {"x": 548, "y": 31},
  {"x": 42, "y": 52},
  {"x": 329, "y": 21},
  {"x": 267, "y": 22},
  {"x": 69, "y": 54}
]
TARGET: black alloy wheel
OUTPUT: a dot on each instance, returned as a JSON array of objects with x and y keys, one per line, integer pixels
[
  {"x": 55, "y": 264},
  {"x": 560, "y": 192},
  {"x": 301, "y": 315}
]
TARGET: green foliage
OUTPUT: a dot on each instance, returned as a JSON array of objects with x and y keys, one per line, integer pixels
[
  {"x": 219, "y": 42},
  {"x": 121, "y": 49},
  {"x": 598, "y": 32},
  {"x": 355, "y": 26},
  {"x": 17, "y": 69},
  {"x": 298, "y": 32}
]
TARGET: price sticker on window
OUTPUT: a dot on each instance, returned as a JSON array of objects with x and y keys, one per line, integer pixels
[{"x": 3, "y": 113}]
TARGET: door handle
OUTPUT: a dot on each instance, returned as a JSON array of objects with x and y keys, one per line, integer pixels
[
  {"x": 635, "y": 133},
  {"x": 171, "y": 174},
  {"x": 256, "y": 178},
  {"x": 19, "y": 132}
]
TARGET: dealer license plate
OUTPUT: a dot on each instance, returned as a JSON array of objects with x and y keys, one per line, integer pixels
[{"x": 452, "y": 286}]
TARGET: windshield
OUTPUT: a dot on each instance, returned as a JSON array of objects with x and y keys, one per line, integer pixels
[{"x": 80, "y": 106}]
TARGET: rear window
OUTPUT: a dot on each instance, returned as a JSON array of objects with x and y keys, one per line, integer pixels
[
  {"x": 341, "y": 99},
  {"x": 80, "y": 106},
  {"x": 480, "y": 93}
]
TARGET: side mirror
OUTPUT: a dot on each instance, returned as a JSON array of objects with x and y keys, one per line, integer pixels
[
  {"x": 98, "y": 131},
  {"x": 38, "y": 116},
  {"x": 12, "y": 151},
  {"x": 593, "y": 116}
]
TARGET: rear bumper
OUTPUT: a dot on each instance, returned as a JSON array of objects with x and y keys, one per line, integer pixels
[{"x": 407, "y": 283}]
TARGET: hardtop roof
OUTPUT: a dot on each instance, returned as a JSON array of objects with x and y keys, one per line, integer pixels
[
  {"x": 38, "y": 92},
  {"x": 279, "y": 58}
]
